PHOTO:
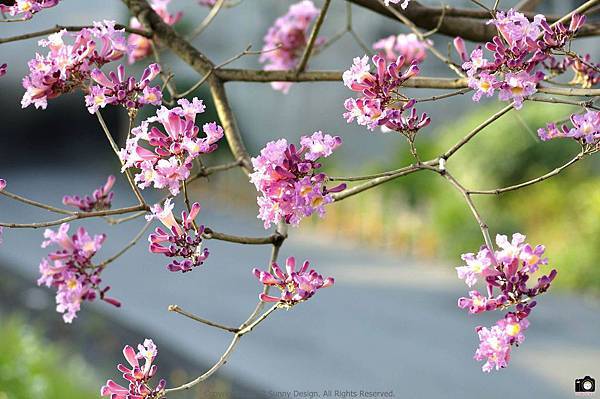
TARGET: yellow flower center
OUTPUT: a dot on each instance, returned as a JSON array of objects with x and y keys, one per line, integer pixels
[{"x": 513, "y": 329}]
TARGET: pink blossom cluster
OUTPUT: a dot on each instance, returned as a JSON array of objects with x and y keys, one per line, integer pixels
[
  {"x": 287, "y": 179},
  {"x": 286, "y": 40},
  {"x": 140, "y": 47},
  {"x": 179, "y": 240},
  {"x": 585, "y": 127},
  {"x": 295, "y": 285},
  {"x": 100, "y": 199},
  {"x": 410, "y": 47},
  {"x": 137, "y": 374},
  {"x": 68, "y": 66},
  {"x": 117, "y": 89},
  {"x": 380, "y": 104},
  {"x": 521, "y": 47},
  {"x": 26, "y": 8},
  {"x": 71, "y": 271},
  {"x": 403, "y": 3},
  {"x": 507, "y": 270},
  {"x": 3, "y": 69},
  {"x": 169, "y": 161}
]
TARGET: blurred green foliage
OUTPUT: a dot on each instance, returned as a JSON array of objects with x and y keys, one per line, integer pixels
[
  {"x": 33, "y": 368},
  {"x": 561, "y": 212},
  {"x": 422, "y": 215}
]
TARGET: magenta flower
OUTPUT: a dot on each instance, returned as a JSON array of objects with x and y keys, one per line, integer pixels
[
  {"x": 477, "y": 266},
  {"x": 27, "y": 8},
  {"x": 178, "y": 240},
  {"x": 68, "y": 66},
  {"x": 295, "y": 286},
  {"x": 287, "y": 179},
  {"x": 100, "y": 199},
  {"x": 477, "y": 303},
  {"x": 169, "y": 161},
  {"x": 586, "y": 128},
  {"x": 286, "y": 39},
  {"x": 484, "y": 83},
  {"x": 139, "y": 46},
  {"x": 410, "y": 47},
  {"x": 507, "y": 270},
  {"x": 517, "y": 86},
  {"x": 138, "y": 375},
  {"x": 117, "y": 89},
  {"x": 516, "y": 29},
  {"x": 3, "y": 69},
  {"x": 496, "y": 343},
  {"x": 381, "y": 104},
  {"x": 71, "y": 271},
  {"x": 2, "y": 184},
  {"x": 520, "y": 50}
]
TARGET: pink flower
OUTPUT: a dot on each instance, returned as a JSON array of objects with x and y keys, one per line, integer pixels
[
  {"x": 509, "y": 271},
  {"x": 286, "y": 39},
  {"x": 477, "y": 303},
  {"x": 296, "y": 286},
  {"x": 477, "y": 266},
  {"x": 68, "y": 66},
  {"x": 117, "y": 89},
  {"x": 517, "y": 86},
  {"x": 26, "y": 8},
  {"x": 139, "y": 46},
  {"x": 516, "y": 29},
  {"x": 484, "y": 83},
  {"x": 169, "y": 161},
  {"x": 287, "y": 179},
  {"x": 71, "y": 271},
  {"x": 2, "y": 184},
  {"x": 496, "y": 343},
  {"x": 408, "y": 46},
  {"x": 3, "y": 68},
  {"x": 178, "y": 240},
  {"x": 100, "y": 199},
  {"x": 137, "y": 375},
  {"x": 380, "y": 105},
  {"x": 586, "y": 128}
]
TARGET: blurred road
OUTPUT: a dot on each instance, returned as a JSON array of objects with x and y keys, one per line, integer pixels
[{"x": 388, "y": 324}]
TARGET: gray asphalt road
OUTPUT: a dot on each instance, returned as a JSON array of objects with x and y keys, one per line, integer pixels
[{"x": 389, "y": 324}]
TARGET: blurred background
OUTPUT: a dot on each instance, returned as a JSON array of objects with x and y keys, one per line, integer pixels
[{"x": 391, "y": 322}]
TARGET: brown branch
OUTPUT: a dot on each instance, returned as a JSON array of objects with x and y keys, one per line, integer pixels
[
  {"x": 210, "y": 234},
  {"x": 470, "y": 24},
  {"x": 201, "y": 64}
]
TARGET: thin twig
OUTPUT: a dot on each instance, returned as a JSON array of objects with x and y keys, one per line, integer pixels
[
  {"x": 312, "y": 38},
  {"x": 127, "y": 247},
  {"x": 177, "y": 309},
  {"x": 37, "y": 204},
  {"x": 554, "y": 172}
]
